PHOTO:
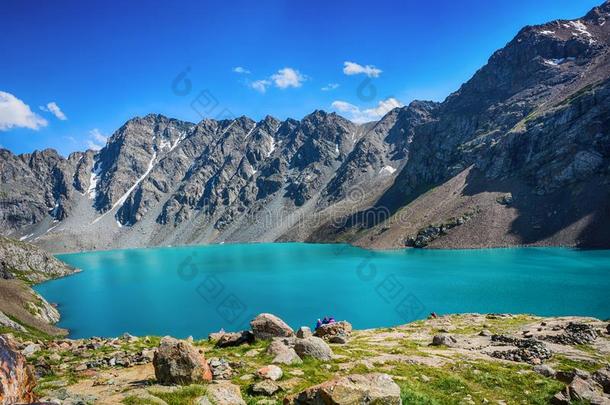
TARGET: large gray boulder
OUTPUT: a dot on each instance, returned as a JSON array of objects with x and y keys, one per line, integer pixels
[
  {"x": 283, "y": 353},
  {"x": 313, "y": 347},
  {"x": 374, "y": 388},
  {"x": 581, "y": 391},
  {"x": 178, "y": 362},
  {"x": 269, "y": 326}
]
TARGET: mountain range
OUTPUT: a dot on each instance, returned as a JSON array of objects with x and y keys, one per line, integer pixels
[{"x": 519, "y": 155}]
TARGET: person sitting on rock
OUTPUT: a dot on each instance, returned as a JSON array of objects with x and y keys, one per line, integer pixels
[
  {"x": 331, "y": 320},
  {"x": 318, "y": 324}
]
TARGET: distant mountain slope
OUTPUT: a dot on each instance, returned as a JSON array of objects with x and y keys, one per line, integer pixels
[
  {"x": 519, "y": 155},
  {"x": 21, "y": 309}
]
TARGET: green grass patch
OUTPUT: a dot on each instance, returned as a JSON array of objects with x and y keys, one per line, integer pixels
[
  {"x": 133, "y": 400},
  {"x": 30, "y": 334},
  {"x": 479, "y": 381},
  {"x": 182, "y": 396},
  {"x": 566, "y": 364}
]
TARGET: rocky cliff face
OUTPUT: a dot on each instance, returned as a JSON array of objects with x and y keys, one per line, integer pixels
[{"x": 533, "y": 123}]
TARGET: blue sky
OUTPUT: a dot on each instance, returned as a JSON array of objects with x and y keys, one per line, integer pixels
[{"x": 72, "y": 72}]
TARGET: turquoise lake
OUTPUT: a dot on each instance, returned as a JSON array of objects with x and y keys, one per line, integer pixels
[{"x": 184, "y": 291}]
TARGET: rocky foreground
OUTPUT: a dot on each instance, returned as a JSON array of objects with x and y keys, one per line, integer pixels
[{"x": 465, "y": 359}]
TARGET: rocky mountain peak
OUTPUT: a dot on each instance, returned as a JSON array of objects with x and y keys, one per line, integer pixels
[
  {"x": 599, "y": 14},
  {"x": 535, "y": 115}
]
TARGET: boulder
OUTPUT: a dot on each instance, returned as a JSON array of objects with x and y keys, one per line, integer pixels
[
  {"x": 289, "y": 357},
  {"x": 313, "y": 347},
  {"x": 221, "y": 369},
  {"x": 568, "y": 376},
  {"x": 374, "y": 388},
  {"x": 234, "y": 339},
  {"x": 338, "y": 339},
  {"x": 333, "y": 329},
  {"x": 545, "y": 370},
  {"x": 580, "y": 391},
  {"x": 223, "y": 393},
  {"x": 30, "y": 349},
  {"x": 602, "y": 377},
  {"x": 304, "y": 332},
  {"x": 444, "y": 340},
  {"x": 270, "y": 372},
  {"x": 268, "y": 326},
  {"x": 17, "y": 379},
  {"x": 265, "y": 387},
  {"x": 282, "y": 351},
  {"x": 178, "y": 362}
]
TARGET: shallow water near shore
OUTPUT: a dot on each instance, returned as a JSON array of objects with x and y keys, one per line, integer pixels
[{"x": 184, "y": 291}]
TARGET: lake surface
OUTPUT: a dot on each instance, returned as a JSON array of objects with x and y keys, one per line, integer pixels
[{"x": 186, "y": 291}]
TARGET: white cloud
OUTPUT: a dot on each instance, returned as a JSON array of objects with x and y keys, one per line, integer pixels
[
  {"x": 287, "y": 77},
  {"x": 260, "y": 85},
  {"x": 54, "y": 109},
  {"x": 241, "y": 70},
  {"x": 353, "y": 68},
  {"x": 15, "y": 113},
  {"x": 358, "y": 115},
  {"x": 282, "y": 79},
  {"x": 96, "y": 140},
  {"x": 330, "y": 86}
]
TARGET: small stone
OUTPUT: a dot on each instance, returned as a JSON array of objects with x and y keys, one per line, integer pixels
[
  {"x": 252, "y": 353},
  {"x": 444, "y": 340},
  {"x": 30, "y": 349},
  {"x": 265, "y": 387},
  {"x": 304, "y": 332},
  {"x": 223, "y": 393},
  {"x": 270, "y": 372},
  {"x": 55, "y": 357},
  {"x": 126, "y": 336},
  {"x": 545, "y": 370},
  {"x": 338, "y": 339},
  {"x": 486, "y": 333}
]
